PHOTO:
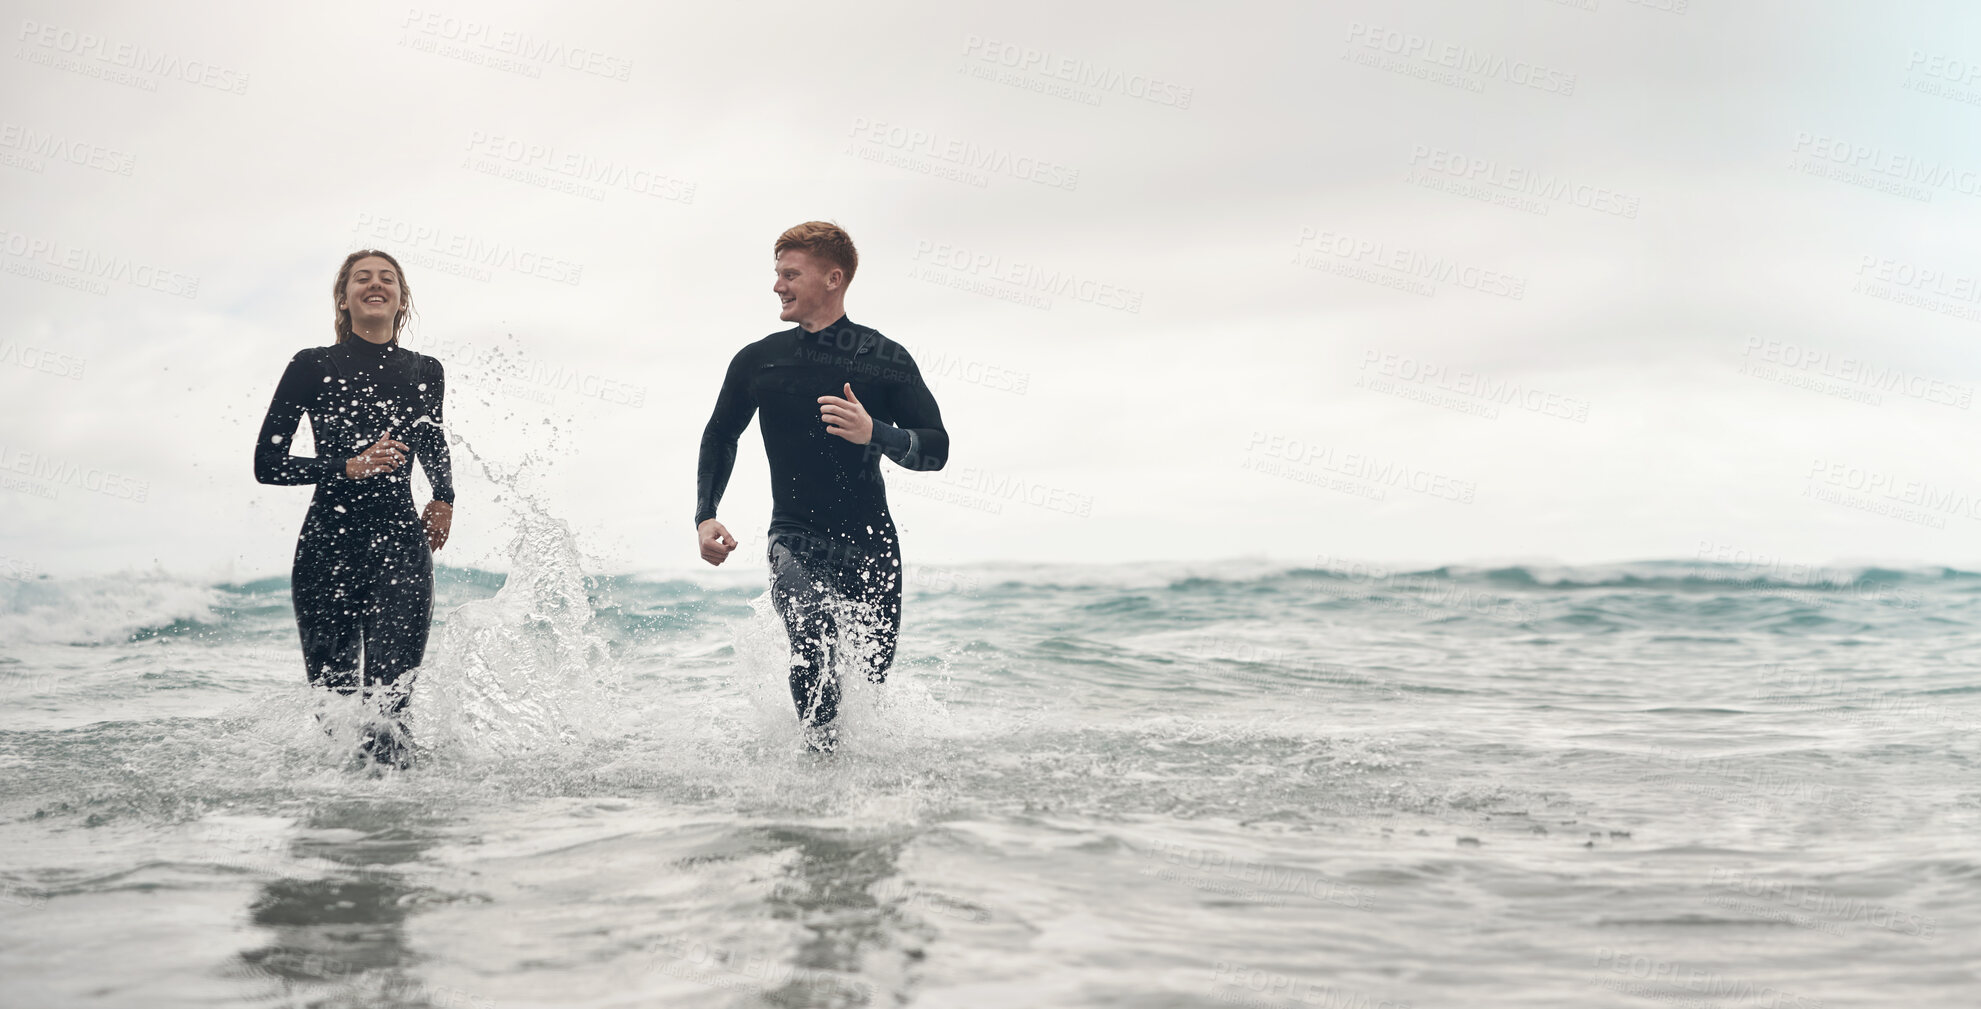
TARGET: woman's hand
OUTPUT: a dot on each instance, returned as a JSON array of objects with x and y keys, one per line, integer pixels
[
  {"x": 846, "y": 417},
  {"x": 439, "y": 521},
  {"x": 384, "y": 456}
]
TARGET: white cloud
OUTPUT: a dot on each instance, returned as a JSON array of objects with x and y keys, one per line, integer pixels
[{"x": 354, "y": 122}]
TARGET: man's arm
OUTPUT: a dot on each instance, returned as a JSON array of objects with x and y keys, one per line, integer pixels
[
  {"x": 916, "y": 438},
  {"x": 733, "y": 410}
]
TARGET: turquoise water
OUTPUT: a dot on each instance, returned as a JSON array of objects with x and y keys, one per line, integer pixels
[{"x": 1226, "y": 784}]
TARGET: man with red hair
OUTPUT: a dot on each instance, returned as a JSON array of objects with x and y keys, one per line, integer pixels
[{"x": 832, "y": 396}]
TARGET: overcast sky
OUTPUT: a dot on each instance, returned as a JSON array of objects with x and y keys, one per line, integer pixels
[{"x": 1428, "y": 282}]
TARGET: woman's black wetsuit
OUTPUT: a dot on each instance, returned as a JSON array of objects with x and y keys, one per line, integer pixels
[
  {"x": 363, "y": 576},
  {"x": 835, "y": 561}
]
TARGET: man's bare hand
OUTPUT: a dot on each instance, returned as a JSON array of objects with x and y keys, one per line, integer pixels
[
  {"x": 716, "y": 541},
  {"x": 846, "y": 417},
  {"x": 384, "y": 456}
]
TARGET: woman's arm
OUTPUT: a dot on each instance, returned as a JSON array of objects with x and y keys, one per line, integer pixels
[
  {"x": 293, "y": 395},
  {"x": 430, "y": 434},
  {"x": 430, "y": 447}
]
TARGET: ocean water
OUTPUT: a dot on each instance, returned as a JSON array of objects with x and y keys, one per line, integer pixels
[{"x": 1161, "y": 785}]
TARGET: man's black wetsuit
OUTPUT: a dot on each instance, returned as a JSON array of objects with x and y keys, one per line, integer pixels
[
  {"x": 363, "y": 576},
  {"x": 835, "y": 562}
]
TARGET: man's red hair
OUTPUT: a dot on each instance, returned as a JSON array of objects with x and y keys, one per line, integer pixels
[{"x": 822, "y": 240}]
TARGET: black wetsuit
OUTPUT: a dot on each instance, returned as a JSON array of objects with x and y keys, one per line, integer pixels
[
  {"x": 363, "y": 576},
  {"x": 835, "y": 562}
]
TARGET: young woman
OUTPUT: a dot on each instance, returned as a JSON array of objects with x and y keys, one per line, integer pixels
[{"x": 363, "y": 576}]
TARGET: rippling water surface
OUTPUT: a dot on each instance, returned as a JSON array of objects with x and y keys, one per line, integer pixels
[{"x": 1638, "y": 785}]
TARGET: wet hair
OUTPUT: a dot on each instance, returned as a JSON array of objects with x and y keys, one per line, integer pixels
[
  {"x": 825, "y": 240},
  {"x": 344, "y": 277}
]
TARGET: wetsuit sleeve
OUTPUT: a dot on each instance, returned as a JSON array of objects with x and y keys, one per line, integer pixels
[
  {"x": 431, "y": 448},
  {"x": 293, "y": 395},
  {"x": 733, "y": 410},
  {"x": 916, "y": 438}
]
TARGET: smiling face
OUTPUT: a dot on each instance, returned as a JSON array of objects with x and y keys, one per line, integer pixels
[
  {"x": 372, "y": 295},
  {"x": 805, "y": 284}
]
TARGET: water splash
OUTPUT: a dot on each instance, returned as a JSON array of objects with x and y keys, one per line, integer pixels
[
  {"x": 886, "y": 720},
  {"x": 524, "y": 670}
]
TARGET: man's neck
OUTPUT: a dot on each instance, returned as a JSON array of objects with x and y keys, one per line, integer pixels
[{"x": 824, "y": 317}]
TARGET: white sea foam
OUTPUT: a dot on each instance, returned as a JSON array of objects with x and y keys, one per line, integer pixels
[{"x": 97, "y": 610}]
